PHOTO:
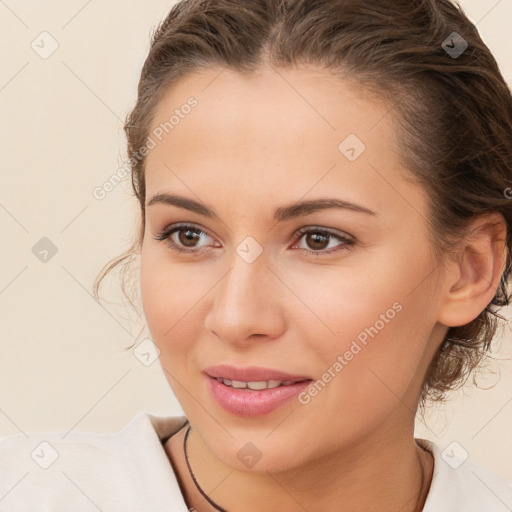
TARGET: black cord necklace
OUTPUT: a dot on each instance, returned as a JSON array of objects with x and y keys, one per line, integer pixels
[
  {"x": 220, "y": 509},
  {"x": 198, "y": 487}
]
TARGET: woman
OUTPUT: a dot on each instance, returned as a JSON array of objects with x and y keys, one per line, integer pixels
[{"x": 324, "y": 243}]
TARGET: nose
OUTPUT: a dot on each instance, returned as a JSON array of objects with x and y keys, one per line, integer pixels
[{"x": 247, "y": 305}]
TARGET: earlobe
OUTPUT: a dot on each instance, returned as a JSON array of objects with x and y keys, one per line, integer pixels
[{"x": 471, "y": 282}]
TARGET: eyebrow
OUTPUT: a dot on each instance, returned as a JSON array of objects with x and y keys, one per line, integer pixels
[{"x": 281, "y": 214}]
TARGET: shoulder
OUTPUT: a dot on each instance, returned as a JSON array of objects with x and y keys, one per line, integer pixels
[
  {"x": 86, "y": 470},
  {"x": 461, "y": 485}
]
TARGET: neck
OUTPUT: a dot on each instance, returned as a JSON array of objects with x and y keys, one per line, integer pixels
[{"x": 382, "y": 473}]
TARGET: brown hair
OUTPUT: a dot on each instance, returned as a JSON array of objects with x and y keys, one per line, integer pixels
[{"x": 453, "y": 112}]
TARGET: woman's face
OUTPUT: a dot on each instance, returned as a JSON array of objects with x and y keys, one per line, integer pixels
[{"x": 274, "y": 287}]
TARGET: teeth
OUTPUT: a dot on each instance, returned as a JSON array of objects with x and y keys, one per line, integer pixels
[{"x": 257, "y": 386}]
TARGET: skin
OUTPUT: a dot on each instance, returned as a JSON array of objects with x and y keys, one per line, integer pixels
[{"x": 253, "y": 143}]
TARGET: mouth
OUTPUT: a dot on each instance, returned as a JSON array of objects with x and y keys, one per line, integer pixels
[
  {"x": 252, "y": 391},
  {"x": 258, "y": 385},
  {"x": 252, "y": 374}
]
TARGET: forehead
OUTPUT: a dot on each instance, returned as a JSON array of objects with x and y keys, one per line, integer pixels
[
  {"x": 276, "y": 130},
  {"x": 276, "y": 105}
]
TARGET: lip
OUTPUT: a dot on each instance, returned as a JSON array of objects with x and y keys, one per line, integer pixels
[
  {"x": 251, "y": 373},
  {"x": 249, "y": 402}
]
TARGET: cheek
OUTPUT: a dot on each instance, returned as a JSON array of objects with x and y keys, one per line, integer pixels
[
  {"x": 378, "y": 365},
  {"x": 340, "y": 305},
  {"x": 379, "y": 324},
  {"x": 167, "y": 293},
  {"x": 175, "y": 298}
]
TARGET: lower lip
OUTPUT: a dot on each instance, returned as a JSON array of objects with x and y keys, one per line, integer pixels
[{"x": 251, "y": 403}]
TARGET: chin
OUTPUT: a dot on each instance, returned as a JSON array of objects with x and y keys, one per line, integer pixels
[{"x": 255, "y": 454}]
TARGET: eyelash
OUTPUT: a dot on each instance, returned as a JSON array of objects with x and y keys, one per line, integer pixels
[{"x": 167, "y": 232}]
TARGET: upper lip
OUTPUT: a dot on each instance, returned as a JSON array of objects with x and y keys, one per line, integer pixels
[{"x": 251, "y": 373}]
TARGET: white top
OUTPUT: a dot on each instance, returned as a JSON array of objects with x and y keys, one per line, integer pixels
[{"x": 129, "y": 471}]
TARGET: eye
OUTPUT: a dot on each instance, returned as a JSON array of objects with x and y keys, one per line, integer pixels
[
  {"x": 182, "y": 237},
  {"x": 320, "y": 239},
  {"x": 185, "y": 238}
]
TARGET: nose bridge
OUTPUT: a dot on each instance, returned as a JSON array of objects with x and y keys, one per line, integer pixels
[
  {"x": 245, "y": 301},
  {"x": 244, "y": 286},
  {"x": 248, "y": 265}
]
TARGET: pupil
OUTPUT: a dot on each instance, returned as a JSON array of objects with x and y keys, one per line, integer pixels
[
  {"x": 188, "y": 239},
  {"x": 316, "y": 237}
]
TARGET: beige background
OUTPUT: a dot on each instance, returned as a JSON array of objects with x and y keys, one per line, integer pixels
[{"x": 63, "y": 365}]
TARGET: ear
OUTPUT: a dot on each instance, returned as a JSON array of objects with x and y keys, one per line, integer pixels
[{"x": 472, "y": 280}]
